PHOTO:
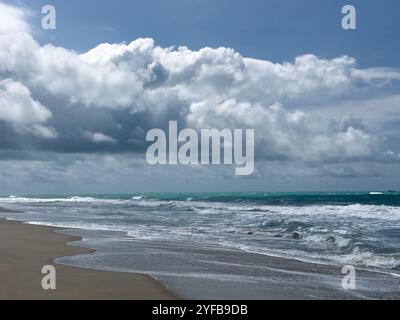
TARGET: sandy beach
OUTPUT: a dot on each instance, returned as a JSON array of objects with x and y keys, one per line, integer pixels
[{"x": 25, "y": 249}]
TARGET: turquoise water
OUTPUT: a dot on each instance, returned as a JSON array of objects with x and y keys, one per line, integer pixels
[{"x": 274, "y": 198}]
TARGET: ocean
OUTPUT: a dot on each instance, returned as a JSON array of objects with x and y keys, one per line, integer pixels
[{"x": 228, "y": 239}]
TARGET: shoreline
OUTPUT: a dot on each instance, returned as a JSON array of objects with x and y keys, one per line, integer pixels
[
  {"x": 25, "y": 249},
  {"x": 229, "y": 274}
]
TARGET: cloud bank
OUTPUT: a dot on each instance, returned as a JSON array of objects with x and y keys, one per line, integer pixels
[{"x": 104, "y": 100}]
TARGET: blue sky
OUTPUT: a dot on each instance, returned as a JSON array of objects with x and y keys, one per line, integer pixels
[
  {"x": 324, "y": 102},
  {"x": 277, "y": 30}
]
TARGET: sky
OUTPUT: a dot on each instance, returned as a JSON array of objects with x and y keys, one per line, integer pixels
[{"x": 76, "y": 102}]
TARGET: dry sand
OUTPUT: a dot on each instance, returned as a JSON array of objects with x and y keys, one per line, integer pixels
[{"x": 25, "y": 249}]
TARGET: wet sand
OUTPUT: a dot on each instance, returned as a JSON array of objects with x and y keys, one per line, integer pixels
[{"x": 25, "y": 249}]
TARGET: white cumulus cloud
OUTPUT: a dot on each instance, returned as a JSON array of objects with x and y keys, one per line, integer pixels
[
  {"x": 18, "y": 106},
  {"x": 13, "y": 19},
  {"x": 210, "y": 87},
  {"x": 99, "y": 137}
]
